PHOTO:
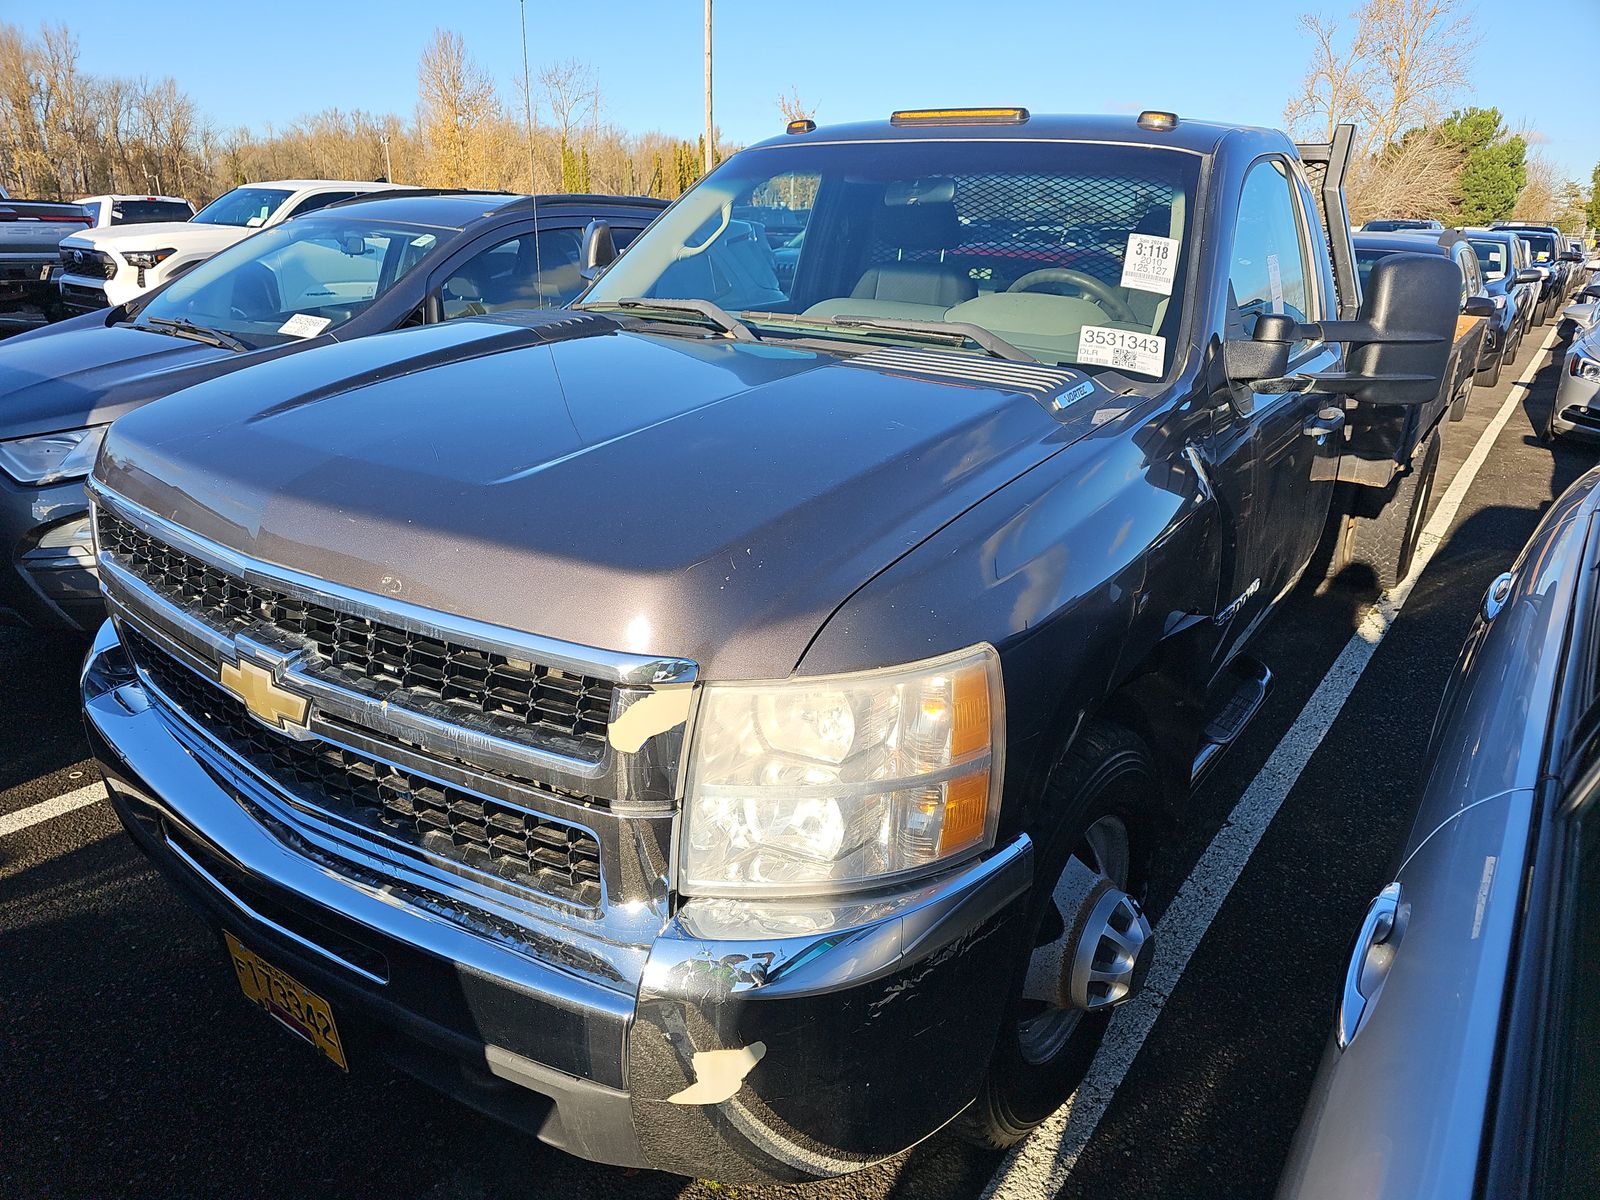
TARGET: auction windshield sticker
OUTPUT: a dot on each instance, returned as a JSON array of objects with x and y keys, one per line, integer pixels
[
  {"x": 1150, "y": 263},
  {"x": 1124, "y": 349},
  {"x": 304, "y": 325}
]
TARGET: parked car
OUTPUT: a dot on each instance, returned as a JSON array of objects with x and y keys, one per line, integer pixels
[
  {"x": 1463, "y": 1059},
  {"x": 1513, "y": 286},
  {"x": 1577, "y": 317},
  {"x": 135, "y": 210},
  {"x": 1576, "y": 409},
  {"x": 1399, "y": 224},
  {"x": 1548, "y": 247},
  {"x": 366, "y": 266},
  {"x": 103, "y": 268},
  {"x": 1471, "y": 353},
  {"x": 673, "y": 725},
  {"x": 30, "y": 231}
]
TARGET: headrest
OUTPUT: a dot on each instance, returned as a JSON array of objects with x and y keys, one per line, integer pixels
[
  {"x": 919, "y": 226},
  {"x": 1157, "y": 220}
]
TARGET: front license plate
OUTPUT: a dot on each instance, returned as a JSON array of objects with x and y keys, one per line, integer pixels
[{"x": 284, "y": 997}]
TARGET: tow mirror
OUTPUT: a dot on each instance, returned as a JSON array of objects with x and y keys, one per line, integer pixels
[
  {"x": 1529, "y": 275},
  {"x": 1572, "y": 256},
  {"x": 599, "y": 249},
  {"x": 1397, "y": 347},
  {"x": 1478, "y": 306}
]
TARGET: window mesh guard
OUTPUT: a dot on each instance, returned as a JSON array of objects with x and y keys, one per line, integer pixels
[{"x": 1010, "y": 225}]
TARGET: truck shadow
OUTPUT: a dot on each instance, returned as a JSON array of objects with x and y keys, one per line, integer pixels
[{"x": 41, "y": 725}]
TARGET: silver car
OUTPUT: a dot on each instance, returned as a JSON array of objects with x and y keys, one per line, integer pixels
[
  {"x": 1465, "y": 1060},
  {"x": 1576, "y": 409}
]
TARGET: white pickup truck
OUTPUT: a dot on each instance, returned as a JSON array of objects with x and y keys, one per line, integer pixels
[{"x": 106, "y": 267}]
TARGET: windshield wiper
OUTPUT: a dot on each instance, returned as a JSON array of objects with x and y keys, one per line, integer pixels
[
  {"x": 185, "y": 328},
  {"x": 718, "y": 316},
  {"x": 961, "y": 331}
]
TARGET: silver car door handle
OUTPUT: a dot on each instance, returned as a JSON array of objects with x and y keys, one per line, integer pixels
[
  {"x": 1329, "y": 420},
  {"x": 1370, "y": 961}
]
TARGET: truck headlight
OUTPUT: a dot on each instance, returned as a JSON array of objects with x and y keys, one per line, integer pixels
[
  {"x": 52, "y": 457},
  {"x": 145, "y": 259},
  {"x": 834, "y": 783}
]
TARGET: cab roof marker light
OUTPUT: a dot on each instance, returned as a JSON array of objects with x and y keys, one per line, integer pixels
[
  {"x": 803, "y": 125},
  {"x": 959, "y": 116},
  {"x": 1158, "y": 122}
]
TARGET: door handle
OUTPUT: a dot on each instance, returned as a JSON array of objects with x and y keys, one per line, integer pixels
[
  {"x": 1329, "y": 420},
  {"x": 1370, "y": 962}
]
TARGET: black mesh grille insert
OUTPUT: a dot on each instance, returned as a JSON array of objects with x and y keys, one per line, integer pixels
[
  {"x": 522, "y": 701},
  {"x": 506, "y": 840},
  {"x": 1011, "y": 224},
  {"x": 90, "y": 263}
]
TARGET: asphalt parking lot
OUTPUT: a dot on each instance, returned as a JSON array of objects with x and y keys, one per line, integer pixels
[{"x": 130, "y": 1065}]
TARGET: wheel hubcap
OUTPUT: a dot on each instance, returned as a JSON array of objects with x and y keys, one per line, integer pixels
[{"x": 1101, "y": 946}]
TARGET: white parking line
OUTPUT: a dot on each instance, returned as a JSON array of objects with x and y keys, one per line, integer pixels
[
  {"x": 1039, "y": 1166},
  {"x": 47, "y": 810}
]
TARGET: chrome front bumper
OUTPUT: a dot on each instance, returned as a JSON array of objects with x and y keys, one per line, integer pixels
[{"x": 774, "y": 1042}]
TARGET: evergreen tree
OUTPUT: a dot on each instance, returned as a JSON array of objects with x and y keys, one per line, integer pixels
[{"x": 1493, "y": 164}]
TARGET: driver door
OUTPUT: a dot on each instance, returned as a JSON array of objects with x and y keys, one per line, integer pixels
[{"x": 1279, "y": 451}]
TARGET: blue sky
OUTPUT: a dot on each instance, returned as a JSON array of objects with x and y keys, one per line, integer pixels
[{"x": 851, "y": 60}]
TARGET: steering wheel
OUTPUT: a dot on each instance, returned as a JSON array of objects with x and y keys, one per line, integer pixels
[{"x": 1099, "y": 292}]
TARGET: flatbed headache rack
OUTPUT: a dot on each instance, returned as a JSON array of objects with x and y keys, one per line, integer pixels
[{"x": 1327, "y": 164}]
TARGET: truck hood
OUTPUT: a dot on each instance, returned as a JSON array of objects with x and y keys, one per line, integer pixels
[
  {"x": 637, "y": 492},
  {"x": 159, "y": 235},
  {"x": 69, "y": 378}
]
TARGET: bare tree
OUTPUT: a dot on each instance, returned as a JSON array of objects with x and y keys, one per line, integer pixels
[
  {"x": 1541, "y": 199},
  {"x": 1337, "y": 85},
  {"x": 456, "y": 100},
  {"x": 1396, "y": 72},
  {"x": 1413, "y": 177},
  {"x": 792, "y": 108}
]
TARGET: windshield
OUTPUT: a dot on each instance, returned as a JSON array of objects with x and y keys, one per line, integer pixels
[
  {"x": 294, "y": 280},
  {"x": 1492, "y": 258},
  {"x": 242, "y": 206},
  {"x": 1073, "y": 252}
]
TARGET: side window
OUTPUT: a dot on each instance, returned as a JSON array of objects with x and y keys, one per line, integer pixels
[
  {"x": 1268, "y": 271},
  {"x": 320, "y": 200},
  {"x": 1469, "y": 273},
  {"x": 516, "y": 273}
]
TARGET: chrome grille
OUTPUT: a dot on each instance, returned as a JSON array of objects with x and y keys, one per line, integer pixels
[
  {"x": 518, "y": 845},
  {"x": 521, "y": 701}
]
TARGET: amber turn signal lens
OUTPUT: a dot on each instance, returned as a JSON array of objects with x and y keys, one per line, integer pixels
[
  {"x": 966, "y": 812},
  {"x": 970, "y": 730}
]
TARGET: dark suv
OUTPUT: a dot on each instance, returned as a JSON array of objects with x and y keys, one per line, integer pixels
[
  {"x": 1548, "y": 246},
  {"x": 363, "y": 266}
]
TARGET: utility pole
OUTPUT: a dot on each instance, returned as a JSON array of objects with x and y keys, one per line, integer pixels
[
  {"x": 710, "y": 144},
  {"x": 388, "y": 163}
]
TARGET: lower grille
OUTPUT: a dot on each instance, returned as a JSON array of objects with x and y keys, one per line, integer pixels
[
  {"x": 503, "y": 839},
  {"x": 82, "y": 297}
]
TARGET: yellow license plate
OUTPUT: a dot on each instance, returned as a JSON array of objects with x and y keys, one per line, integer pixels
[{"x": 288, "y": 1000}]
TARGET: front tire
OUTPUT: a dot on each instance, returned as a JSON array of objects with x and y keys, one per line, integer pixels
[{"x": 1103, "y": 785}]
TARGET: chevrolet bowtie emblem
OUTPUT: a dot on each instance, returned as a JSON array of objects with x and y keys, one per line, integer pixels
[{"x": 261, "y": 694}]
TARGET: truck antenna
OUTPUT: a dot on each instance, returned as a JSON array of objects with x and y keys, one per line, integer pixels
[{"x": 527, "y": 118}]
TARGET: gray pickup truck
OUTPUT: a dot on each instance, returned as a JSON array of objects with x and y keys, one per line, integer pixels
[
  {"x": 725, "y": 728},
  {"x": 30, "y": 236}
]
